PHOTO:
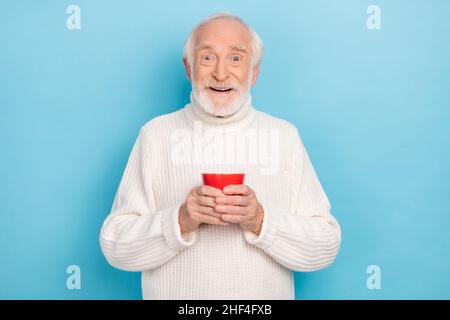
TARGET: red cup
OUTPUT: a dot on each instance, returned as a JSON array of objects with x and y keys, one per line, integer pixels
[{"x": 221, "y": 180}]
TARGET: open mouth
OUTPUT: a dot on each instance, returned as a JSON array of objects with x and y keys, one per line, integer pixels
[{"x": 221, "y": 89}]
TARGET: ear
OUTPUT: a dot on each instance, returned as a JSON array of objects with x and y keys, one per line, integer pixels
[
  {"x": 188, "y": 69},
  {"x": 255, "y": 74}
]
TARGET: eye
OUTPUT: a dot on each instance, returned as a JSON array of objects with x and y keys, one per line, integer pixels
[
  {"x": 207, "y": 58},
  {"x": 236, "y": 58}
]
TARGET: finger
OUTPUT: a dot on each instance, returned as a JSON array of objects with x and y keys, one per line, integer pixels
[
  {"x": 206, "y": 201},
  {"x": 230, "y": 209},
  {"x": 232, "y": 218},
  {"x": 233, "y": 200},
  {"x": 209, "y": 191},
  {"x": 240, "y": 189},
  {"x": 208, "y": 211},
  {"x": 212, "y": 220}
]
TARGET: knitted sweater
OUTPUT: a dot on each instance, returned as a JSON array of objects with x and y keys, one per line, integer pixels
[{"x": 142, "y": 231}]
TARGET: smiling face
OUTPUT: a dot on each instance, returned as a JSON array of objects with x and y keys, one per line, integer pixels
[{"x": 222, "y": 74}]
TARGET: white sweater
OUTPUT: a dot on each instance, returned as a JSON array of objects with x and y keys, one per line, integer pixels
[{"x": 142, "y": 231}]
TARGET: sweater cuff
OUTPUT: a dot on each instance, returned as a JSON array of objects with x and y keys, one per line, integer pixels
[
  {"x": 172, "y": 231},
  {"x": 268, "y": 231}
]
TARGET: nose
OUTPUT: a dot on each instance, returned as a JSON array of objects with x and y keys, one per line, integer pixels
[{"x": 221, "y": 72}]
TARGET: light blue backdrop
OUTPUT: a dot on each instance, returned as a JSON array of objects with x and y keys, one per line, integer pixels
[{"x": 372, "y": 107}]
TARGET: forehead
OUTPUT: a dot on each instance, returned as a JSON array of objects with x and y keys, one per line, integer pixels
[{"x": 222, "y": 33}]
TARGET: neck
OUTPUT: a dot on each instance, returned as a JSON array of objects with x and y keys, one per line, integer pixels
[{"x": 240, "y": 118}]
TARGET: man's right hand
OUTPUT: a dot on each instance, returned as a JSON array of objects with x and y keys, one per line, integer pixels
[{"x": 199, "y": 208}]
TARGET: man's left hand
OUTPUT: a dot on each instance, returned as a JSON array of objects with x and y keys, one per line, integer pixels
[{"x": 240, "y": 205}]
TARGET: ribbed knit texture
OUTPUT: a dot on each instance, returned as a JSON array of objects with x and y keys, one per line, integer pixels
[{"x": 142, "y": 232}]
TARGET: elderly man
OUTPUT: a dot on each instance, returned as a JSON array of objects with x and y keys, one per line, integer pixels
[{"x": 193, "y": 241}]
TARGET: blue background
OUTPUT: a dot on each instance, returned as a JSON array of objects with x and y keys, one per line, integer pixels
[{"x": 372, "y": 107}]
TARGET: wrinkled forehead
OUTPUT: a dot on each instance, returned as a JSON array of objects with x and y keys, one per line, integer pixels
[{"x": 222, "y": 33}]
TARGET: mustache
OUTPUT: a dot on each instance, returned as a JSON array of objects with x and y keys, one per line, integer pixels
[{"x": 212, "y": 83}]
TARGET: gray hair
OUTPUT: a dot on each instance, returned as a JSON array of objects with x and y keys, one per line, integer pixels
[{"x": 257, "y": 44}]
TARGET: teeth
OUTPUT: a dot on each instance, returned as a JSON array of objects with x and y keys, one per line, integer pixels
[{"x": 220, "y": 89}]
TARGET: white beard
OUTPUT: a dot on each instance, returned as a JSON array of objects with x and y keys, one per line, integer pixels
[{"x": 224, "y": 110}]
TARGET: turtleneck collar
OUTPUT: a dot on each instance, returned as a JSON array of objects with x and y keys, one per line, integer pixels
[{"x": 237, "y": 120}]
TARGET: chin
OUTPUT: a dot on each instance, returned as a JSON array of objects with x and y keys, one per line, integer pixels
[
  {"x": 221, "y": 110},
  {"x": 219, "y": 107}
]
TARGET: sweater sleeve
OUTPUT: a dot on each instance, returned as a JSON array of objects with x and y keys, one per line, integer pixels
[
  {"x": 136, "y": 236},
  {"x": 307, "y": 238}
]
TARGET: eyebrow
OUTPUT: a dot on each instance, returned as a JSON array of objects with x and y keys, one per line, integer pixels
[
  {"x": 239, "y": 47},
  {"x": 206, "y": 46}
]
